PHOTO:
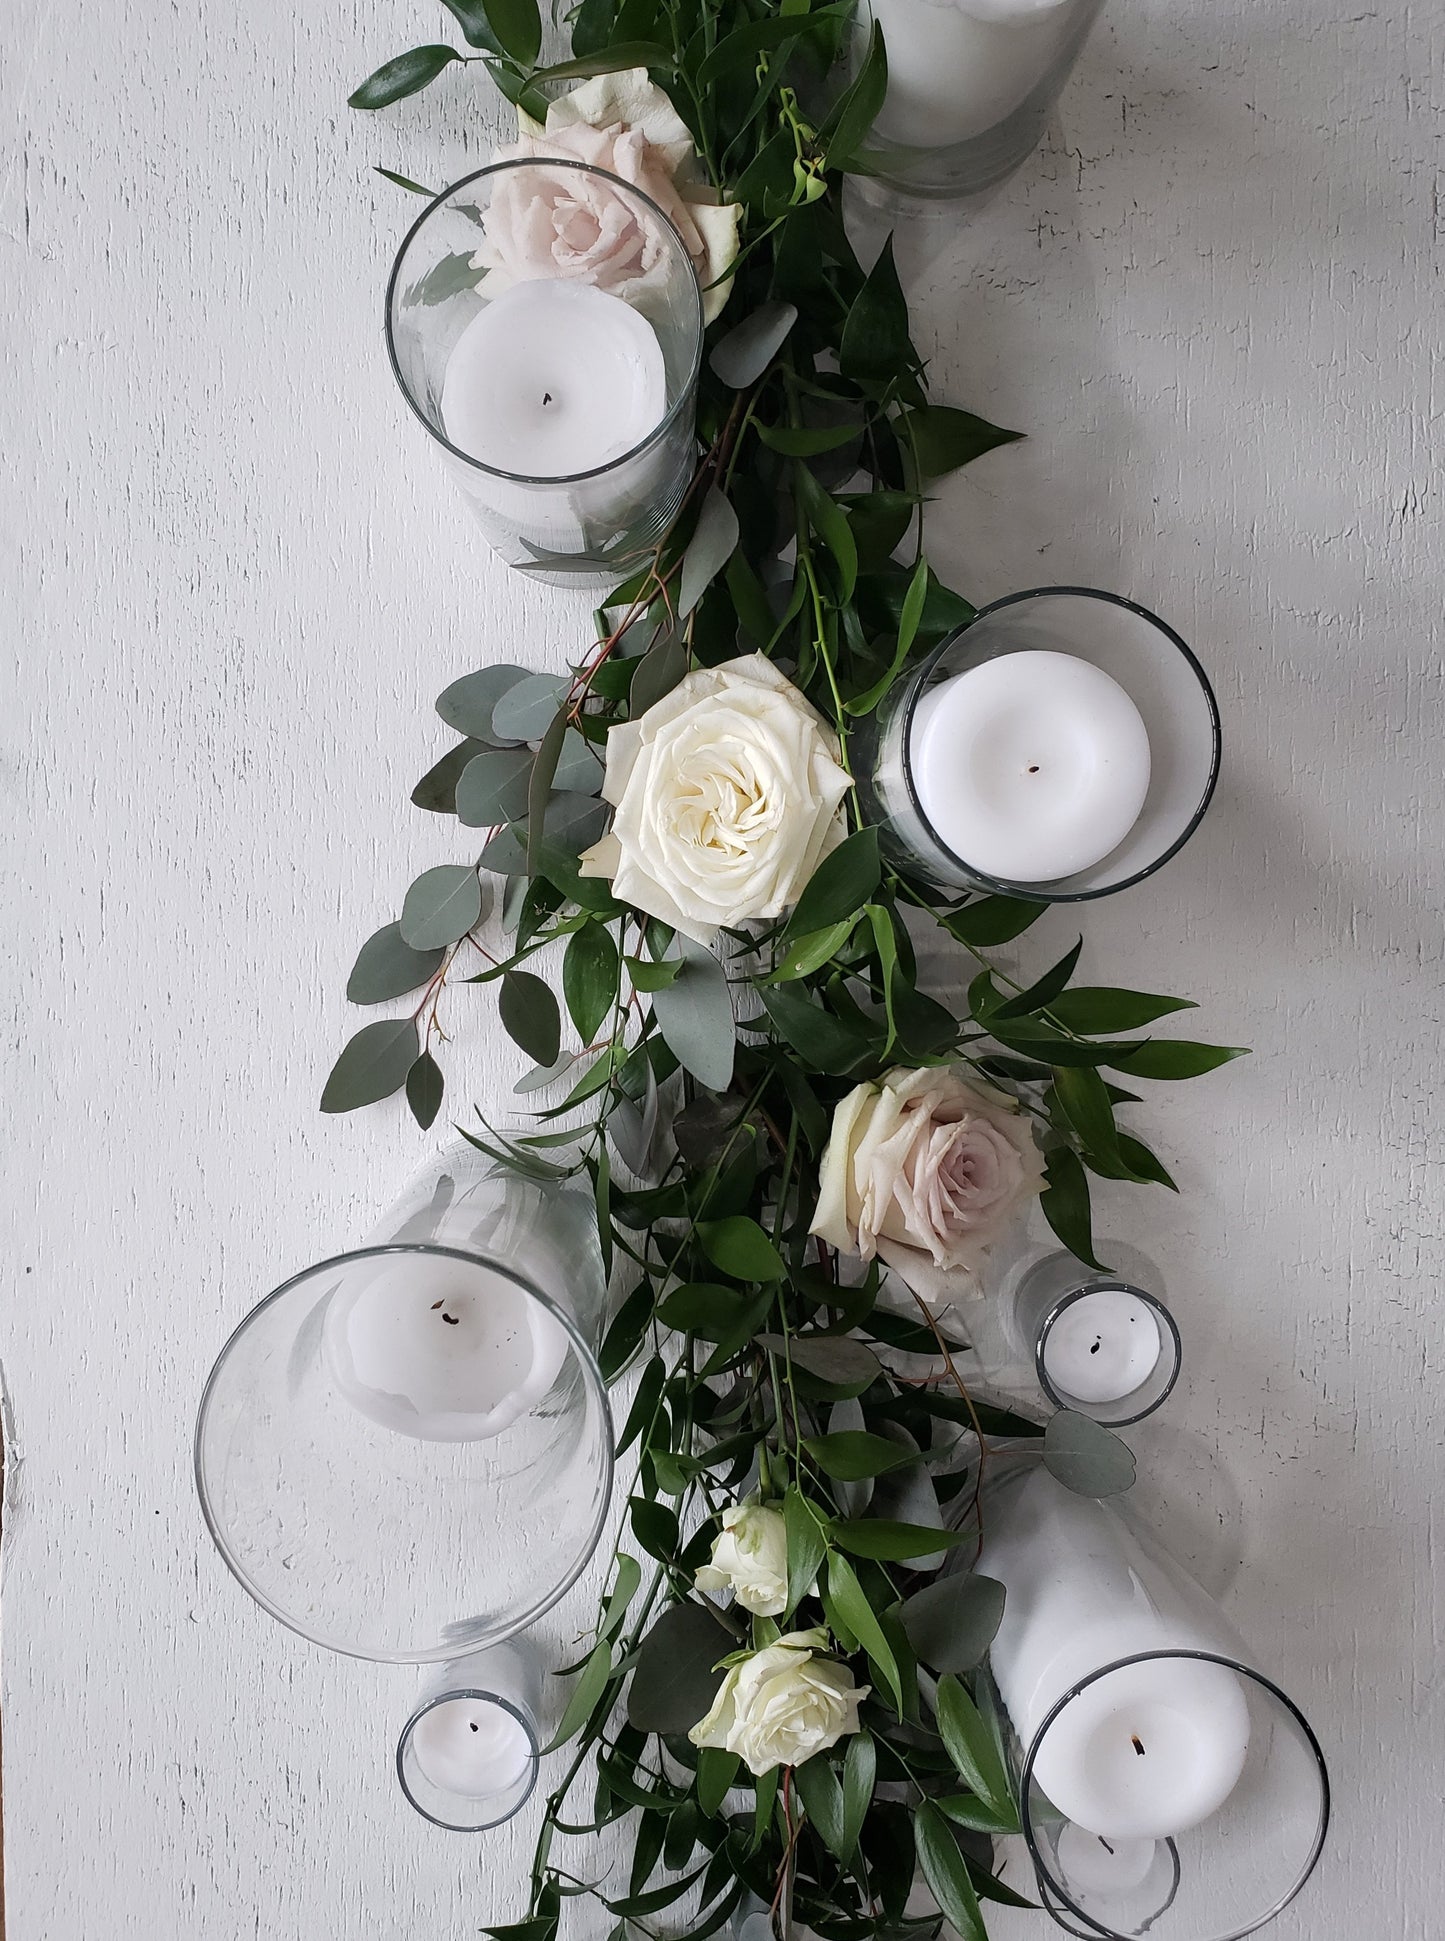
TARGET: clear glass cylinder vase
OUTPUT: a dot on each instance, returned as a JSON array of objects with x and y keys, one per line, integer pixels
[
  {"x": 469, "y": 1754},
  {"x": 544, "y": 322},
  {"x": 1167, "y": 1785},
  {"x": 404, "y": 1453},
  {"x": 1102, "y": 1345},
  {"x": 971, "y": 86},
  {"x": 1062, "y": 746}
]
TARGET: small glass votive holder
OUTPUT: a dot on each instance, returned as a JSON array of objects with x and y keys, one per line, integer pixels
[
  {"x": 468, "y": 1756},
  {"x": 1100, "y": 1344},
  {"x": 404, "y": 1453},
  {"x": 971, "y": 86},
  {"x": 1062, "y": 746},
  {"x": 544, "y": 322}
]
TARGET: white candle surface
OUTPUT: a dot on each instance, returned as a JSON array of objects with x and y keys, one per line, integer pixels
[
  {"x": 441, "y": 1349},
  {"x": 1103, "y": 1346},
  {"x": 956, "y": 68},
  {"x": 1032, "y": 766},
  {"x": 1150, "y": 1749},
  {"x": 471, "y": 1747},
  {"x": 1093, "y": 1865},
  {"x": 551, "y": 379}
]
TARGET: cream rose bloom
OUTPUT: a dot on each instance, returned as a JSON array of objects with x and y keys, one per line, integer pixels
[
  {"x": 925, "y": 1170},
  {"x": 542, "y": 224},
  {"x": 782, "y": 1704},
  {"x": 727, "y": 794},
  {"x": 750, "y": 1559}
]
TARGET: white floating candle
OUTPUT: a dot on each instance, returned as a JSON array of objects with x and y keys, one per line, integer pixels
[
  {"x": 551, "y": 379},
  {"x": 1102, "y": 1347},
  {"x": 1031, "y": 766},
  {"x": 441, "y": 1349},
  {"x": 471, "y": 1747},
  {"x": 956, "y": 68}
]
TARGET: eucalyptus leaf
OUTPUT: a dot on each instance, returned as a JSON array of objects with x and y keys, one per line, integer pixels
[
  {"x": 741, "y": 356},
  {"x": 526, "y": 710},
  {"x": 658, "y": 673},
  {"x": 373, "y": 1064},
  {"x": 441, "y": 906},
  {"x": 467, "y": 704},
  {"x": 437, "y": 789},
  {"x": 708, "y": 551},
  {"x": 835, "y": 1358},
  {"x": 387, "y": 967},
  {"x": 579, "y": 766},
  {"x": 695, "y": 1016},
  {"x": 1086, "y": 1457},
  {"x": 493, "y": 787},
  {"x": 952, "y": 1622},
  {"x": 674, "y": 1680}
]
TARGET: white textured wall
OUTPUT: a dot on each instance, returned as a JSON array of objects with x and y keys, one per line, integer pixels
[{"x": 232, "y": 582}]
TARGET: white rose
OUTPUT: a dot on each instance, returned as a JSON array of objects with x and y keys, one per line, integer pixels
[
  {"x": 782, "y": 1704},
  {"x": 727, "y": 794},
  {"x": 750, "y": 1559},
  {"x": 543, "y": 223},
  {"x": 925, "y": 1170}
]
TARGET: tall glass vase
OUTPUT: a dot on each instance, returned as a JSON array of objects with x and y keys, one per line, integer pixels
[
  {"x": 544, "y": 322},
  {"x": 1167, "y": 1786},
  {"x": 405, "y": 1452}
]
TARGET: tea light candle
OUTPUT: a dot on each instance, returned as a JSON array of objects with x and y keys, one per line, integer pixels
[
  {"x": 440, "y": 1349},
  {"x": 471, "y": 1747},
  {"x": 551, "y": 379},
  {"x": 1148, "y": 1749},
  {"x": 1102, "y": 1347},
  {"x": 1094, "y": 1865},
  {"x": 956, "y": 68},
  {"x": 1031, "y": 766}
]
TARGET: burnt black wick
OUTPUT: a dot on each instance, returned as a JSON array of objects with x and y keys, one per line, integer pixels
[
  {"x": 452, "y": 1320},
  {"x": 1138, "y": 1747}
]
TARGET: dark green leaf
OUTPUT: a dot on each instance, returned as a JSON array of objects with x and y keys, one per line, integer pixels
[
  {"x": 853, "y": 1455},
  {"x": 1090, "y": 1008},
  {"x": 794, "y": 441},
  {"x": 611, "y": 60},
  {"x": 674, "y": 1681},
  {"x": 716, "y": 1771},
  {"x": 741, "y": 356},
  {"x": 860, "y": 1767},
  {"x": 626, "y": 1331},
  {"x": 648, "y": 976},
  {"x": 530, "y": 1016},
  {"x": 970, "y": 1744},
  {"x": 822, "y": 1798},
  {"x": 740, "y": 1247},
  {"x": 946, "y": 438},
  {"x": 844, "y": 1596},
  {"x": 1065, "y": 1204},
  {"x": 875, "y": 347},
  {"x": 847, "y": 127},
  {"x": 952, "y": 1622},
  {"x": 493, "y": 787},
  {"x": 518, "y": 27},
  {"x": 471, "y": 17},
  {"x": 807, "y": 1547},
  {"x": 830, "y": 522},
  {"x": 837, "y": 1359},
  {"x": 943, "y": 1868},
  {"x": 839, "y": 887},
  {"x": 823, "y": 1041},
  {"x": 372, "y": 1065},
  {"x": 1039, "y": 995},
  {"x": 993, "y": 920},
  {"x": 404, "y": 74},
  {"x": 585, "y": 1695},
  {"x": 1086, "y": 1457},
  {"x": 441, "y": 906},
  {"x": 1175, "y": 1058},
  {"x": 590, "y": 978},
  {"x": 425, "y": 1087},
  {"x": 387, "y": 967},
  {"x": 412, "y": 188},
  {"x": 894, "y": 1542},
  {"x": 977, "y": 1815}
]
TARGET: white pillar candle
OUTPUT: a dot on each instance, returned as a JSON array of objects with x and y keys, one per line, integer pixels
[
  {"x": 1147, "y": 1750},
  {"x": 441, "y": 1349},
  {"x": 471, "y": 1747},
  {"x": 1103, "y": 1346},
  {"x": 1031, "y": 766},
  {"x": 551, "y": 379},
  {"x": 956, "y": 68}
]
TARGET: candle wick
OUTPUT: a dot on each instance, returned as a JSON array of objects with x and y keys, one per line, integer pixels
[
  {"x": 452, "y": 1320},
  {"x": 1102, "y": 1841},
  {"x": 546, "y": 397},
  {"x": 1096, "y": 1347},
  {"x": 1033, "y": 768},
  {"x": 473, "y": 1724},
  {"x": 1134, "y": 1741},
  {"x": 436, "y": 1304}
]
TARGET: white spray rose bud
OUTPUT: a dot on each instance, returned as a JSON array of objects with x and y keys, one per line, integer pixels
[{"x": 750, "y": 1559}]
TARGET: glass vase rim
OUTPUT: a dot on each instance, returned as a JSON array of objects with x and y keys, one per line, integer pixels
[
  {"x": 685, "y": 390},
  {"x": 534, "y": 1757},
  {"x": 1093, "y": 1928},
  {"x": 592, "y": 1379},
  {"x": 1002, "y": 886},
  {"x": 1169, "y": 1339}
]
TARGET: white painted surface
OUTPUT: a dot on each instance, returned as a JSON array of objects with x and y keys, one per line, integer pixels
[{"x": 233, "y": 581}]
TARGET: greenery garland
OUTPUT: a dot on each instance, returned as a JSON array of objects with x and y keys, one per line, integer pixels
[{"x": 765, "y": 1360}]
